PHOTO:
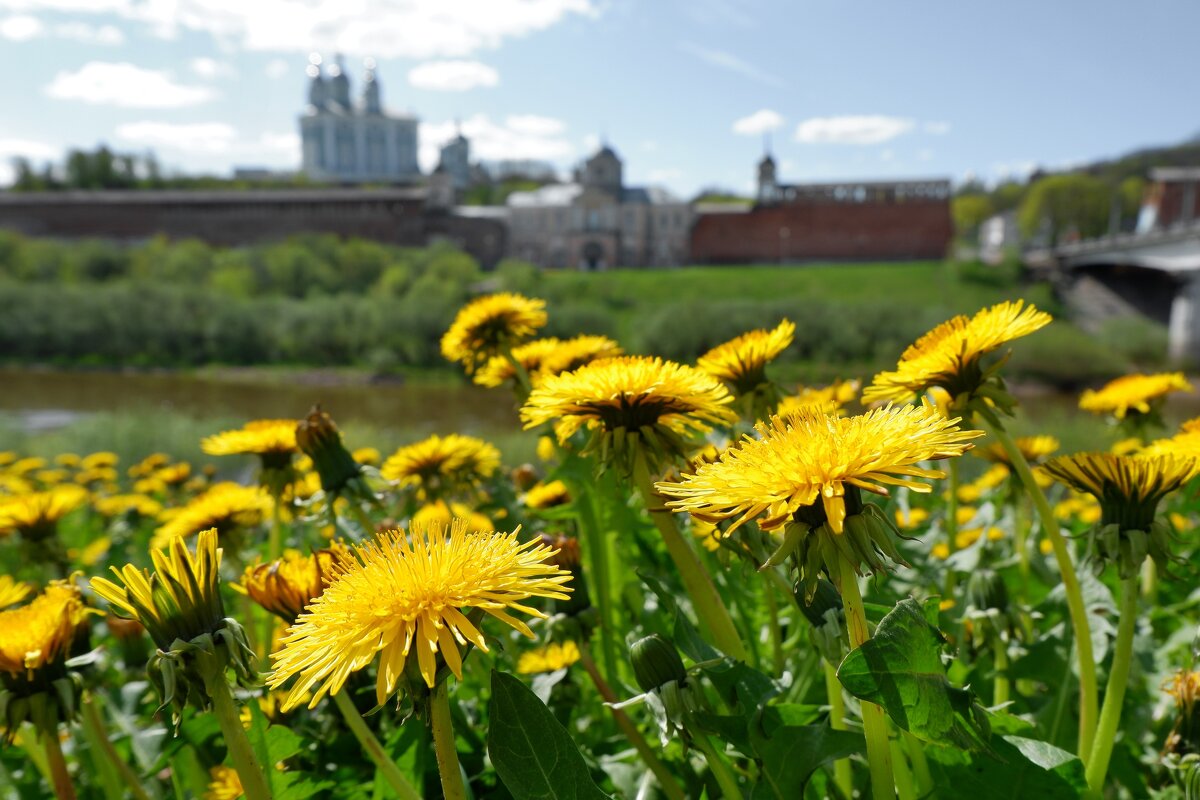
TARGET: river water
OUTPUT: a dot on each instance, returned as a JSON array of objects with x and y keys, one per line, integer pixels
[{"x": 40, "y": 399}]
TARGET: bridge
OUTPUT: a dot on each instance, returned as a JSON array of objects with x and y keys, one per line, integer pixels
[{"x": 1153, "y": 273}]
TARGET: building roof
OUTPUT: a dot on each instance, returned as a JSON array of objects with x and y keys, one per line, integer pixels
[
  {"x": 552, "y": 194},
  {"x": 183, "y": 196},
  {"x": 647, "y": 195},
  {"x": 1175, "y": 174}
]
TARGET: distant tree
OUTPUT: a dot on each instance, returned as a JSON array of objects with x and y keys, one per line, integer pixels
[
  {"x": 24, "y": 178},
  {"x": 1007, "y": 196},
  {"x": 969, "y": 211},
  {"x": 1074, "y": 202}
]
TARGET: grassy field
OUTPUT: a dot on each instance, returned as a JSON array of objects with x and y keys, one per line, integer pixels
[{"x": 906, "y": 283}]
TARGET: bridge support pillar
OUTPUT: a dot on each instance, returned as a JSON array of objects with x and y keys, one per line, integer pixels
[{"x": 1183, "y": 331}]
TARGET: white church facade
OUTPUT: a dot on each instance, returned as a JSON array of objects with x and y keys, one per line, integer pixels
[{"x": 348, "y": 141}]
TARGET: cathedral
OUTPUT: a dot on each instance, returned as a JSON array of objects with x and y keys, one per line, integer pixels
[{"x": 344, "y": 141}]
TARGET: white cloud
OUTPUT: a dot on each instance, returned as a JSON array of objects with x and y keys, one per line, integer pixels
[
  {"x": 210, "y": 68},
  {"x": 277, "y": 68},
  {"x": 759, "y": 122},
  {"x": 453, "y": 76},
  {"x": 1018, "y": 169},
  {"x": 199, "y": 141},
  {"x": 495, "y": 141},
  {"x": 871, "y": 129},
  {"x": 535, "y": 125},
  {"x": 35, "y": 151},
  {"x": 936, "y": 128},
  {"x": 108, "y": 35},
  {"x": 664, "y": 175},
  {"x": 731, "y": 63},
  {"x": 208, "y": 137},
  {"x": 125, "y": 86},
  {"x": 20, "y": 28},
  {"x": 385, "y": 28},
  {"x": 591, "y": 143}
]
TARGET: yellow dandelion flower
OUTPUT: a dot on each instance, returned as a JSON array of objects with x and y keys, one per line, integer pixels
[
  {"x": 1123, "y": 480},
  {"x": 40, "y": 634},
  {"x": 262, "y": 437},
  {"x": 134, "y": 504},
  {"x": 51, "y": 477},
  {"x": 1178, "y": 521},
  {"x": 67, "y": 460},
  {"x": 442, "y": 464},
  {"x": 285, "y": 587},
  {"x": 946, "y": 604},
  {"x": 828, "y": 399},
  {"x": 369, "y": 456},
  {"x": 12, "y": 592},
  {"x": 966, "y": 538},
  {"x": 174, "y": 474},
  {"x": 547, "y": 450},
  {"x": 741, "y": 362},
  {"x": 35, "y": 515},
  {"x": 708, "y": 534},
  {"x": 989, "y": 480},
  {"x": 99, "y": 460},
  {"x": 1080, "y": 506},
  {"x": 1132, "y": 393},
  {"x": 498, "y": 370},
  {"x": 940, "y": 551},
  {"x": 225, "y": 506},
  {"x": 631, "y": 401},
  {"x": 224, "y": 784},
  {"x": 913, "y": 518},
  {"x": 406, "y": 593},
  {"x": 180, "y": 600},
  {"x": 441, "y": 514},
  {"x": 25, "y": 466},
  {"x": 577, "y": 351},
  {"x": 964, "y": 514},
  {"x": 149, "y": 464},
  {"x": 547, "y": 495},
  {"x": 812, "y": 457},
  {"x": 1129, "y": 489},
  {"x": 1032, "y": 448},
  {"x": 487, "y": 325},
  {"x": 91, "y": 554},
  {"x": 550, "y": 658},
  {"x": 1045, "y": 547},
  {"x": 7, "y": 457},
  {"x": 949, "y": 355}
]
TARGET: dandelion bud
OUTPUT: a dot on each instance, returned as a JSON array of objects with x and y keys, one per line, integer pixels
[
  {"x": 319, "y": 438},
  {"x": 524, "y": 477},
  {"x": 656, "y": 663}
]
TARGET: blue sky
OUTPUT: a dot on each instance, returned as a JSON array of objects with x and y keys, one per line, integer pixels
[{"x": 684, "y": 90}]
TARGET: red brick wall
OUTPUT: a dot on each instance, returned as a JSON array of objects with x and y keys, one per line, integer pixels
[
  {"x": 236, "y": 219},
  {"x": 1171, "y": 202},
  {"x": 824, "y": 231}
]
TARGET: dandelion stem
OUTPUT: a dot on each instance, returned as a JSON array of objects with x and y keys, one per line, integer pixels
[
  {"x": 93, "y": 722},
  {"x": 905, "y": 786},
  {"x": 666, "y": 781},
  {"x": 879, "y": 754},
  {"x": 775, "y": 631},
  {"x": 63, "y": 788},
  {"x": 842, "y": 776},
  {"x": 951, "y": 522},
  {"x": 1088, "y": 691},
  {"x": 699, "y": 585},
  {"x": 1000, "y": 690},
  {"x": 254, "y": 780},
  {"x": 920, "y": 766},
  {"x": 1021, "y": 524},
  {"x": 524, "y": 384},
  {"x": 600, "y": 581},
  {"x": 720, "y": 770},
  {"x": 378, "y": 755},
  {"x": 1118, "y": 678},
  {"x": 443, "y": 744}
]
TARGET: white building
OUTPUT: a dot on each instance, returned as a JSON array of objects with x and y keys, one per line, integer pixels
[
  {"x": 597, "y": 222},
  {"x": 348, "y": 142}
]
